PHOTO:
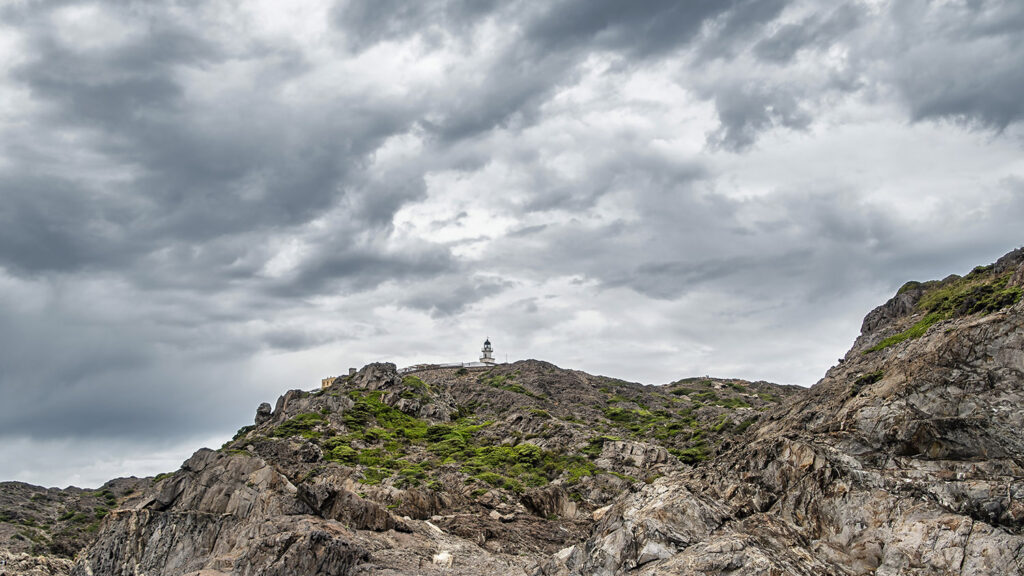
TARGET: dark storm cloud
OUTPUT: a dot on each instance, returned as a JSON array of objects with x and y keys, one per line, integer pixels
[
  {"x": 961, "y": 61},
  {"x": 201, "y": 171},
  {"x": 748, "y": 109}
]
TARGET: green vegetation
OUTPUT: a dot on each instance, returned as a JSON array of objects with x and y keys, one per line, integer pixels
[
  {"x": 706, "y": 396},
  {"x": 977, "y": 293},
  {"x": 504, "y": 382},
  {"x": 731, "y": 403},
  {"x": 242, "y": 432},
  {"x": 691, "y": 455},
  {"x": 865, "y": 380},
  {"x": 107, "y": 496},
  {"x": 374, "y": 476},
  {"x": 742, "y": 426},
  {"x": 723, "y": 424},
  {"x": 416, "y": 389},
  {"x": 301, "y": 425},
  {"x": 915, "y": 331},
  {"x": 369, "y": 408},
  {"x": 383, "y": 441}
]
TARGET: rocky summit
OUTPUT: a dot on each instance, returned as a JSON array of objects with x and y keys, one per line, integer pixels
[{"x": 906, "y": 458}]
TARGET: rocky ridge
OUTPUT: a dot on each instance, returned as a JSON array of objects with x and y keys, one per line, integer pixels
[
  {"x": 58, "y": 522},
  {"x": 905, "y": 459},
  {"x": 381, "y": 472}
]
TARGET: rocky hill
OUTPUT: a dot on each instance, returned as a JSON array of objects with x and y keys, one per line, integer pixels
[
  {"x": 905, "y": 459},
  {"x": 55, "y": 522},
  {"x": 381, "y": 471}
]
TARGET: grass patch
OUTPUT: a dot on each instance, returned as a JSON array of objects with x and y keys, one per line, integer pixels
[
  {"x": 915, "y": 331},
  {"x": 301, "y": 425},
  {"x": 369, "y": 409},
  {"x": 504, "y": 382},
  {"x": 374, "y": 476},
  {"x": 977, "y": 293},
  {"x": 691, "y": 455},
  {"x": 731, "y": 403}
]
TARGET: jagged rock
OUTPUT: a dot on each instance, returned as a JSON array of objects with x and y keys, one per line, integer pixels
[
  {"x": 903, "y": 460},
  {"x": 376, "y": 376},
  {"x": 550, "y": 501},
  {"x": 328, "y": 498},
  {"x": 21, "y": 564},
  {"x": 907, "y": 458},
  {"x": 263, "y": 413},
  {"x": 635, "y": 458}
]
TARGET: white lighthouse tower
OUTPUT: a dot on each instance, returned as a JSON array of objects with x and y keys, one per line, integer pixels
[{"x": 487, "y": 350}]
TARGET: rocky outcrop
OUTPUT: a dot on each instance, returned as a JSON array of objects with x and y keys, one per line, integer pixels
[
  {"x": 58, "y": 522},
  {"x": 550, "y": 501},
  {"x": 21, "y": 564},
  {"x": 264, "y": 413},
  {"x": 905, "y": 459},
  {"x": 637, "y": 459}
]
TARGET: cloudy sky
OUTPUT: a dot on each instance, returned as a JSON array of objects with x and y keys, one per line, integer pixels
[{"x": 204, "y": 204}]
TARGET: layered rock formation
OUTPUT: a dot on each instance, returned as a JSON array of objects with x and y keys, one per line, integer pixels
[{"x": 905, "y": 459}]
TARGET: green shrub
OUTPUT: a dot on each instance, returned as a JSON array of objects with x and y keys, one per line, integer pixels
[
  {"x": 977, "y": 293},
  {"x": 691, "y": 455},
  {"x": 579, "y": 469},
  {"x": 301, "y": 425},
  {"x": 732, "y": 403},
  {"x": 374, "y": 476},
  {"x": 343, "y": 453}
]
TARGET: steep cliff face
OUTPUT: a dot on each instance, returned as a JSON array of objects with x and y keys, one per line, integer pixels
[{"x": 905, "y": 459}]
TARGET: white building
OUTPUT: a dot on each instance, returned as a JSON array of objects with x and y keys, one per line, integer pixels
[{"x": 487, "y": 350}]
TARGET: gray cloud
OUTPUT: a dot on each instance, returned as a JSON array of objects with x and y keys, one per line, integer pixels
[
  {"x": 961, "y": 61},
  {"x": 817, "y": 31},
  {"x": 199, "y": 207}
]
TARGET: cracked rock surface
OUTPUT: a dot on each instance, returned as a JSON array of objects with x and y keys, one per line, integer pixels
[{"x": 907, "y": 458}]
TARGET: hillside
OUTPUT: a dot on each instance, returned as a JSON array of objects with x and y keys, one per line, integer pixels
[
  {"x": 55, "y": 522},
  {"x": 513, "y": 459},
  {"x": 906, "y": 458}
]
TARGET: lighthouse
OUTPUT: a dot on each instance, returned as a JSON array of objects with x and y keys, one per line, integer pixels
[{"x": 487, "y": 358}]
